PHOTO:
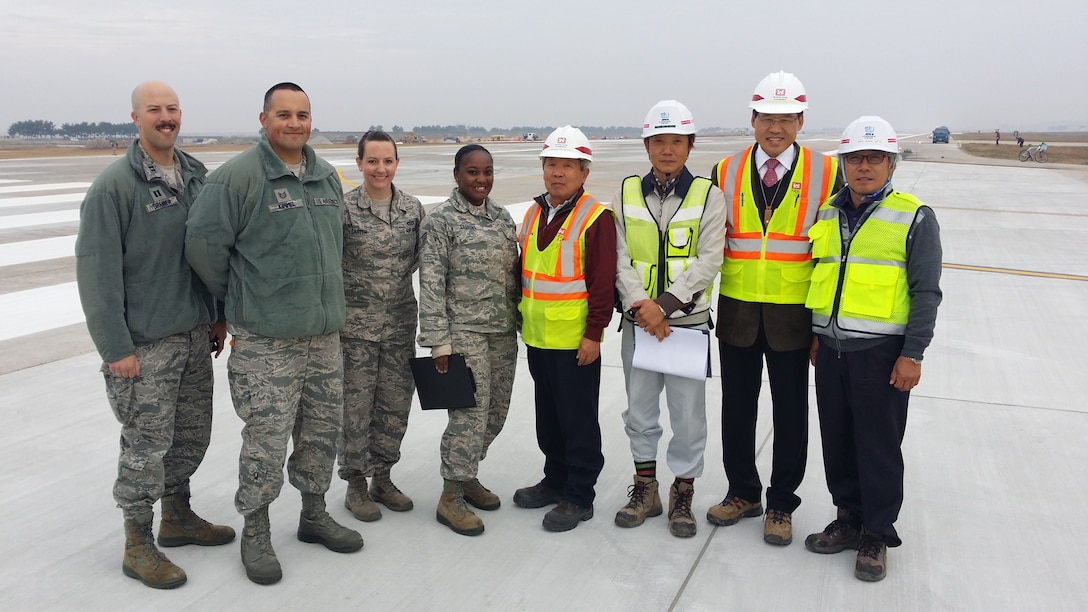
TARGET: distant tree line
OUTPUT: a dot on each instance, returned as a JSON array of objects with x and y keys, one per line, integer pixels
[
  {"x": 461, "y": 130},
  {"x": 475, "y": 131},
  {"x": 39, "y": 128}
]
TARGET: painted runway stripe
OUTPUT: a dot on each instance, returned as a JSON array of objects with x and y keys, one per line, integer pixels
[
  {"x": 59, "y": 198},
  {"x": 15, "y": 253},
  {"x": 43, "y": 187},
  {"x": 32, "y": 219},
  {"x": 1014, "y": 272},
  {"x": 38, "y": 310}
]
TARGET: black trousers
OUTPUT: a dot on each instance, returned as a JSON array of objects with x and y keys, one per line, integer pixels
[
  {"x": 567, "y": 427},
  {"x": 862, "y": 421},
  {"x": 742, "y": 378}
]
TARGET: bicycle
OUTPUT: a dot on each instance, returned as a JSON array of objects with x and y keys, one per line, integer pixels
[{"x": 1038, "y": 153}]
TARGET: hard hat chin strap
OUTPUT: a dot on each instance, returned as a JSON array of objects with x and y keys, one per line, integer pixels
[{"x": 867, "y": 198}]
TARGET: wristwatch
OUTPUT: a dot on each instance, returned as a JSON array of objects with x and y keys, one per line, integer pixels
[{"x": 913, "y": 360}]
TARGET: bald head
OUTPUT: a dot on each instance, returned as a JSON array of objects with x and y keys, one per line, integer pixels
[
  {"x": 157, "y": 115},
  {"x": 151, "y": 89}
]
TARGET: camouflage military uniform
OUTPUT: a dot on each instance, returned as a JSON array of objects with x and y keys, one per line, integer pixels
[
  {"x": 128, "y": 263},
  {"x": 270, "y": 243},
  {"x": 380, "y": 256},
  {"x": 284, "y": 389},
  {"x": 469, "y": 288},
  {"x": 166, "y": 418}
]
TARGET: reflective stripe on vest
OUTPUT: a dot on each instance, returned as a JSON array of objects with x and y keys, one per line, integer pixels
[
  {"x": 773, "y": 264},
  {"x": 554, "y": 297},
  {"x": 681, "y": 237},
  {"x": 868, "y": 296}
]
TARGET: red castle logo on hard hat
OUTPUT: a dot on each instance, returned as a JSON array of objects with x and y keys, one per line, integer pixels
[
  {"x": 561, "y": 140},
  {"x": 780, "y": 92}
]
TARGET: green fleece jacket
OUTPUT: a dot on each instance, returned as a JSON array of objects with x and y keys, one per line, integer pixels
[
  {"x": 134, "y": 283},
  {"x": 270, "y": 243}
]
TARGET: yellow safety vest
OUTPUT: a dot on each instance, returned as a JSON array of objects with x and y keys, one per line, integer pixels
[
  {"x": 675, "y": 250},
  {"x": 554, "y": 297},
  {"x": 773, "y": 264},
  {"x": 865, "y": 289}
]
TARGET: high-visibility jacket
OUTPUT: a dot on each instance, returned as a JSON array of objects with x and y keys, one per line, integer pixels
[
  {"x": 651, "y": 252},
  {"x": 773, "y": 264},
  {"x": 554, "y": 297},
  {"x": 864, "y": 289}
]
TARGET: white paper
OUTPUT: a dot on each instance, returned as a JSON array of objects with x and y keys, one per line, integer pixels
[{"x": 684, "y": 352}]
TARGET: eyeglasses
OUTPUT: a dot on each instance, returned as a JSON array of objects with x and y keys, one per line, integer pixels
[
  {"x": 777, "y": 120},
  {"x": 874, "y": 159}
]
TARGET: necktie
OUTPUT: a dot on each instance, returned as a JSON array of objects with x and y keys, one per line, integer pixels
[{"x": 770, "y": 177}]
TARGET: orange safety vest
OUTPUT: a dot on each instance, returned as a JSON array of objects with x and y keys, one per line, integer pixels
[
  {"x": 772, "y": 264},
  {"x": 554, "y": 297}
]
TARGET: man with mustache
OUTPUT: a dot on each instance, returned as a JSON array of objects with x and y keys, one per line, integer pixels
[
  {"x": 156, "y": 362},
  {"x": 266, "y": 235}
]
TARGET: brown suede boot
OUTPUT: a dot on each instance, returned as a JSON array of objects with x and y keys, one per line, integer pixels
[
  {"x": 681, "y": 522},
  {"x": 383, "y": 491},
  {"x": 453, "y": 513},
  {"x": 478, "y": 495},
  {"x": 180, "y": 525},
  {"x": 645, "y": 501},
  {"x": 358, "y": 501},
  {"x": 143, "y": 561}
]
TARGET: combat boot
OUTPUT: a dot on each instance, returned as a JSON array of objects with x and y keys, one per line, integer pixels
[
  {"x": 358, "y": 501},
  {"x": 317, "y": 527},
  {"x": 180, "y": 525},
  {"x": 479, "y": 495},
  {"x": 259, "y": 559},
  {"x": 645, "y": 501},
  {"x": 681, "y": 522},
  {"x": 143, "y": 561},
  {"x": 453, "y": 513},
  {"x": 383, "y": 491}
]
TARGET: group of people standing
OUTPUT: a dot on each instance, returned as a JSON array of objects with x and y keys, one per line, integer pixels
[{"x": 820, "y": 262}]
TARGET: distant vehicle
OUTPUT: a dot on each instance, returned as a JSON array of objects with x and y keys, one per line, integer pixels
[{"x": 940, "y": 134}]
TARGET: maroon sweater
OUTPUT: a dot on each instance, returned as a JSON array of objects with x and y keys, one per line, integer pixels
[{"x": 600, "y": 257}]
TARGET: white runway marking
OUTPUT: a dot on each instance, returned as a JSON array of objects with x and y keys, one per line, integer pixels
[
  {"x": 46, "y": 218},
  {"x": 38, "y": 310},
  {"x": 37, "y": 250},
  {"x": 44, "y": 187},
  {"x": 59, "y": 198}
]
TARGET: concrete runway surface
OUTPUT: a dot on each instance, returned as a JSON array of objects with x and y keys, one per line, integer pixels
[{"x": 996, "y": 444}]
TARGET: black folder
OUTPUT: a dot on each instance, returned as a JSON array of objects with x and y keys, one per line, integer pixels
[{"x": 454, "y": 389}]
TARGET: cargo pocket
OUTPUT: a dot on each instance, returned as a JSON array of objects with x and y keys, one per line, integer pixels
[{"x": 872, "y": 290}]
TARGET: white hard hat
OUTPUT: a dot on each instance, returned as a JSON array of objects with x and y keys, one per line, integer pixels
[
  {"x": 568, "y": 142},
  {"x": 868, "y": 133},
  {"x": 668, "y": 117},
  {"x": 779, "y": 93}
]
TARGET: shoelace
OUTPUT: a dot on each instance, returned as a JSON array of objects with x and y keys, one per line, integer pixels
[
  {"x": 388, "y": 487},
  {"x": 776, "y": 516},
  {"x": 836, "y": 528},
  {"x": 683, "y": 503},
  {"x": 870, "y": 547},
  {"x": 637, "y": 493}
]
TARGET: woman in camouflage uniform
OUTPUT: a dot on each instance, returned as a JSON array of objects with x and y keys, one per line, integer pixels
[
  {"x": 469, "y": 279},
  {"x": 381, "y": 246}
]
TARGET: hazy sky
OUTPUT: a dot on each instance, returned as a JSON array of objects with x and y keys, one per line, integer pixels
[{"x": 969, "y": 64}]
